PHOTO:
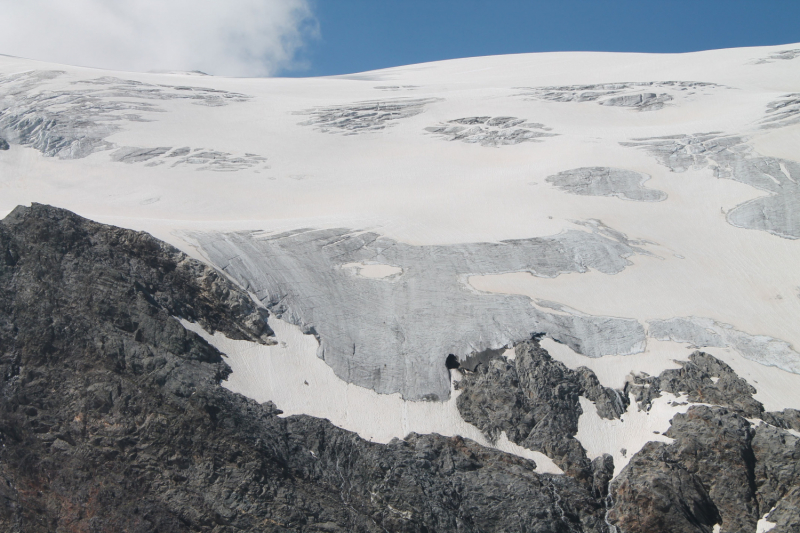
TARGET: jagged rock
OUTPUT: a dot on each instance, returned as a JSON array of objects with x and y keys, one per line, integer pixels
[
  {"x": 704, "y": 379},
  {"x": 786, "y": 419},
  {"x": 112, "y": 417},
  {"x": 4, "y": 144},
  {"x": 720, "y": 470},
  {"x": 534, "y": 400},
  {"x": 777, "y": 476},
  {"x": 602, "y": 474}
]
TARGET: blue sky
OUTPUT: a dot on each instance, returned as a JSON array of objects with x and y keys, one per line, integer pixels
[
  {"x": 324, "y": 37},
  {"x": 358, "y": 35}
]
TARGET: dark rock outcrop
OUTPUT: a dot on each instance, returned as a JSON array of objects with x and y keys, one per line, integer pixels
[
  {"x": 704, "y": 379},
  {"x": 534, "y": 400},
  {"x": 112, "y": 417},
  {"x": 786, "y": 419},
  {"x": 719, "y": 470},
  {"x": 4, "y": 144}
]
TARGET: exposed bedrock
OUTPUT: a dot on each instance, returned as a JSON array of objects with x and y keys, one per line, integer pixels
[
  {"x": 4, "y": 144},
  {"x": 534, "y": 400},
  {"x": 720, "y": 470},
  {"x": 394, "y": 334},
  {"x": 605, "y": 181},
  {"x": 112, "y": 417},
  {"x": 704, "y": 379},
  {"x": 730, "y": 157}
]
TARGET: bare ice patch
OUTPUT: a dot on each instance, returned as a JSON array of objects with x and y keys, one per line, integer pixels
[
  {"x": 395, "y": 337},
  {"x": 705, "y": 332},
  {"x": 731, "y": 158},
  {"x": 605, "y": 181}
]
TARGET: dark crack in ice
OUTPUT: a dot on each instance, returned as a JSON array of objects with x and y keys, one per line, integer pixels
[
  {"x": 199, "y": 158},
  {"x": 491, "y": 131},
  {"x": 606, "y": 181},
  {"x": 783, "y": 55},
  {"x": 730, "y": 157},
  {"x": 363, "y": 117},
  {"x": 633, "y": 95},
  {"x": 784, "y": 111},
  {"x": 394, "y": 334},
  {"x": 76, "y": 122}
]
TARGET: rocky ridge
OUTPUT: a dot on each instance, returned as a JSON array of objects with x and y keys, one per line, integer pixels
[{"x": 112, "y": 418}]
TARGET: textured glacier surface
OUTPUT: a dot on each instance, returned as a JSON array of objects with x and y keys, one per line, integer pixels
[
  {"x": 730, "y": 157},
  {"x": 604, "y": 181},
  {"x": 394, "y": 334},
  {"x": 462, "y": 248}
]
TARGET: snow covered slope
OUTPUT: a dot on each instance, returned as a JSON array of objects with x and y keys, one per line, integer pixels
[{"x": 631, "y": 208}]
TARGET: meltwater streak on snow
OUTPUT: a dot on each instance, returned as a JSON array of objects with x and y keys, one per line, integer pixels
[
  {"x": 292, "y": 376},
  {"x": 624, "y": 438}
]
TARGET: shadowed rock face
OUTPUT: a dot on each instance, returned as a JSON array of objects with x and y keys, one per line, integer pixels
[
  {"x": 112, "y": 417},
  {"x": 777, "y": 213},
  {"x": 534, "y": 400},
  {"x": 373, "y": 332},
  {"x": 605, "y": 181},
  {"x": 704, "y": 379},
  {"x": 491, "y": 131},
  {"x": 719, "y": 470}
]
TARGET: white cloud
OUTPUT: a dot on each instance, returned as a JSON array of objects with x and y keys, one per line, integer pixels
[{"x": 224, "y": 37}]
